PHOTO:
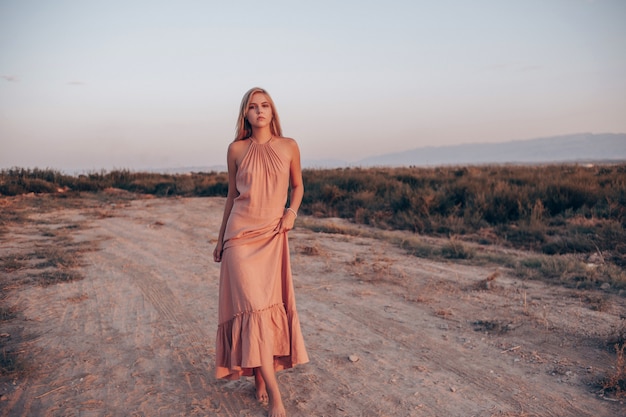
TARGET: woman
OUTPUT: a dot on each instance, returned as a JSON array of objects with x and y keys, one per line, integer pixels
[{"x": 259, "y": 330}]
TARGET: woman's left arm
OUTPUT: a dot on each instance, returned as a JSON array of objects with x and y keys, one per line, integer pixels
[
  {"x": 295, "y": 175},
  {"x": 297, "y": 189}
]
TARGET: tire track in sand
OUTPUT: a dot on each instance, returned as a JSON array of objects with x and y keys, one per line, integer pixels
[
  {"x": 428, "y": 361},
  {"x": 190, "y": 342}
]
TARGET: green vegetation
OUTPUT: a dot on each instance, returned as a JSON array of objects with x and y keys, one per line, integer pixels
[
  {"x": 573, "y": 217},
  {"x": 18, "y": 181},
  {"x": 552, "y": 209}
]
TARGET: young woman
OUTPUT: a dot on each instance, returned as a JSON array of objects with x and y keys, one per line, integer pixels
[{"x": 259, "y": 330}]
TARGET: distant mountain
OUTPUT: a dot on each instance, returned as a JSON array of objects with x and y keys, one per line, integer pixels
[
  {"x": 584, "y": 147},
  {"x": 324, "y": 163},
  {"x": 186, "y": 170}
]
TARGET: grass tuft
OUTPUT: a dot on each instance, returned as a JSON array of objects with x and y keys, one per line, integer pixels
[
  {"x": 615, "y": 382},
  {"x": 56, "y": 277},
  {"x": 455, "y": 249},
  {"x": 6, "y": 314},
  {"x": 10, "y": 363}
]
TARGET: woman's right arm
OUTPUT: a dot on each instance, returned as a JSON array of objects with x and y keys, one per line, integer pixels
[{"x": 230, "y": 198}]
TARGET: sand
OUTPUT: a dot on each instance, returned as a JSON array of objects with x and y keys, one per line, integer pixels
[{"x": 388, "y": 334}]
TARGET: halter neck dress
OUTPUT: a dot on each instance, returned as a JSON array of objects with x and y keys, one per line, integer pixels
[{"x": 257, "y": 306}]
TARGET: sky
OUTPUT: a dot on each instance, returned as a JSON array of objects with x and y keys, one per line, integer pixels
[{"x": 149, "y": 84}]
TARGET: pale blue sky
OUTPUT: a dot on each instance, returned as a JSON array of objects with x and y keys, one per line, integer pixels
[{"x": 142, "y": 84}]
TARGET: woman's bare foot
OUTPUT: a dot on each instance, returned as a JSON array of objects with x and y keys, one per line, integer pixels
[
  {"x": 261, "y": 390},
  {"x": 277, "y": 409}
]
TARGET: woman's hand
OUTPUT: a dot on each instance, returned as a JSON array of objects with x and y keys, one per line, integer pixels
[
  {"x": 217, "y": 252},
  {"x": 286, "y": 222}
]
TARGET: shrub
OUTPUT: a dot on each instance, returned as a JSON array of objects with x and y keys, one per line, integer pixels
[
  {"x": 554, "y": 209},
  {"x": 456, "y": 250}
]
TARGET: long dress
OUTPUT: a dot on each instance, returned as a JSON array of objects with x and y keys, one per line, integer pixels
[{"x": 257, "y": 307}]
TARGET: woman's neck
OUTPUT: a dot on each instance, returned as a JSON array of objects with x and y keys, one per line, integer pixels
[{"x": 261, "y": 135}]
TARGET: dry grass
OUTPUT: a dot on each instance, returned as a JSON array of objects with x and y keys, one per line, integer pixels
[
  {"x": 487, "y": 283},
  {"x": 577, "y": 213},
  {"x": 597, "y": 302},
  {"x": 310, "y": 250},
  {"x": 491, "y": 326},
  {"x": 56, "y": 258},
  {"x": 11, "y": 263},
  {"x": 565, "y": 270},
  {"x": 6, "y": 314},
  {"x": 615, "y": 382},
  {"x": 10, "y": 363},
  {"x": 455, "y": 249}
]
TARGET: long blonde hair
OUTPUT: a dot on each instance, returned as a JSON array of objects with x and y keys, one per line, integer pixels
[{"x": 243, "y": 129}]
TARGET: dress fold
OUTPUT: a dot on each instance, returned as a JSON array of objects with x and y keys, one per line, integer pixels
[{"x": 257, "y": 308}]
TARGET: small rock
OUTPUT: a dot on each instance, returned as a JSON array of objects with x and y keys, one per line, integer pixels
[
  {"x": 353, "y": 358},
  {"x": 452, "y": 389},
  {"x": 595, "y": 258}
]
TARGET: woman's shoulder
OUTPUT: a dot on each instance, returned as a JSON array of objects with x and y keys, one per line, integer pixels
[
  {"x": 286, "y": 141},
  {"x": 238, "y": 148},
  {"x": 289, "y": 147},
  {"x": 238, "y": 145}
]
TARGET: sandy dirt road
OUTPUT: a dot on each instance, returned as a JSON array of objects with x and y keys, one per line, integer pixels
[{"x": 388, "y": 334}]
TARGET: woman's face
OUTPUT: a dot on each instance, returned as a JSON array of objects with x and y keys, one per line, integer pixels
[{"x": 259, "y": 112}]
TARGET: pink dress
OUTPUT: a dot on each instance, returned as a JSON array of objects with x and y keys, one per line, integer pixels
[{"x": 257, "y": 307}]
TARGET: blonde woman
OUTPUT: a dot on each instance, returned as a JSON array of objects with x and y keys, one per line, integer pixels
[{"x": 259, "y": 330}]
